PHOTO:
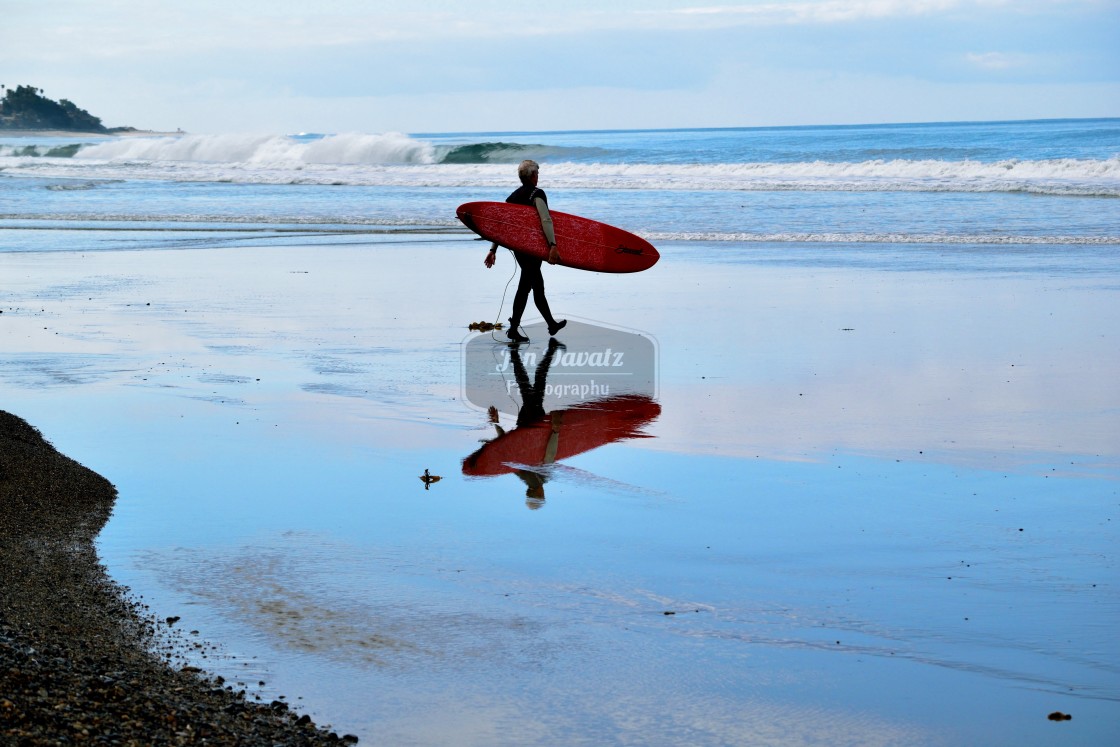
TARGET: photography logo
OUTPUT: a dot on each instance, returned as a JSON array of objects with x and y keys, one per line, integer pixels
[{"x": 588, "y": 362}]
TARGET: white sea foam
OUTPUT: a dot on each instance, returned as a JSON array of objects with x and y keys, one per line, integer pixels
[
  {"x": 1059, "y": 177},
  {"x": 277, "y": 150},
  {"x": 1055, "y": 176},
  {"x": 343, "y": 225},
  {"x": 882, "y": 238}
]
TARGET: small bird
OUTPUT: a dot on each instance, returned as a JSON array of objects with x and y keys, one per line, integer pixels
[{"x": 428, "y": 479}]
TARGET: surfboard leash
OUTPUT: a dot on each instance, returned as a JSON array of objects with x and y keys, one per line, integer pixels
[{"x": 505, "y": 290}]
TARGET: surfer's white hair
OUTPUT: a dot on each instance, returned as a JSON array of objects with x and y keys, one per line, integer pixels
[{"x": 526, "y": 170}]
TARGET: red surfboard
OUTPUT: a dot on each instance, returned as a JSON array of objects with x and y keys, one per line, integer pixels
[
  {"x": 584, "y": 244},
  {"x": 578, "y": 429}
]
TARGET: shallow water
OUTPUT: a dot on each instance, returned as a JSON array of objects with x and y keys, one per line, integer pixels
[{"x": 878, "y": 504}]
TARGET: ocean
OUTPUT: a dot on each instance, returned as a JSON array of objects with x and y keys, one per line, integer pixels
[
  {"x": 866, "y": 494},
  {"x": 1010, "y": 183}
]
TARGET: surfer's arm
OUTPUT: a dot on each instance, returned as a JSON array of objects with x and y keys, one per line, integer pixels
[
  {"x": 546, "y": 220},
  {"x": 546, "y": 225},
  {"x": 553, "y": 445},
  {"x": 491, "y": 256}
]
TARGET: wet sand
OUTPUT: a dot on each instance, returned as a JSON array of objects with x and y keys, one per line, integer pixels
[
  {"x": 78, "y": 657},
  {"x": 878, "y": 502}
]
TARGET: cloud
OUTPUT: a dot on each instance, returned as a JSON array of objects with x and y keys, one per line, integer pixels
[
  {"x": 214, "y": 64},
  {"x": 824, "y": 11},
  {"x": 995, "y": 60}
]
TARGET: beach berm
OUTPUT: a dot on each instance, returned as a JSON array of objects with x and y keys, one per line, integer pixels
[{"x": 77, "y": 657}]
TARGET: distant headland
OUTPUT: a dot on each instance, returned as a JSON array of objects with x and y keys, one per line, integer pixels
[{"x": 25, "y": 108}]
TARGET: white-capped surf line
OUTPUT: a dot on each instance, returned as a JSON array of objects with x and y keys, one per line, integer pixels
[
  {"x": 1075, "y": 177},
  {"x": 204, "y": 222},
  {"x": 362, "y": 224},
  {"x": 1064, "y": 176},
  {"x": 882, "y": 238}
]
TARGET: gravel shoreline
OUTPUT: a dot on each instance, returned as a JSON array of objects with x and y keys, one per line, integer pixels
[{"x": 77, "y": 661}]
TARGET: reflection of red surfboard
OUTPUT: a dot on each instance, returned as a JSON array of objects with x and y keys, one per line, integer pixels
[
  {"x": 584, "y": 244},
  {"x": 579, "y": 429}
]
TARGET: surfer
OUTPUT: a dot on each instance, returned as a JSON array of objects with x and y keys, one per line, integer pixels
[{"x": 531, "y": 277}]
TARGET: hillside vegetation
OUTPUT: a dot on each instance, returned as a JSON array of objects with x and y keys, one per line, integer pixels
[{"x": 25, "y": 108}]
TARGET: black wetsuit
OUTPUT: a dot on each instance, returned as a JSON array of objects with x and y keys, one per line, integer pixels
[{"x": 531, "y": 277}]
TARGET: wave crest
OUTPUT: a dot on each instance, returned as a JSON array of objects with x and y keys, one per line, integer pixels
[
  {"x": 502, "y": 152},
  {"x": 356, "y": 149},
  {"x": 275, "y": 150},
  {"x": 349, "y": 148}
]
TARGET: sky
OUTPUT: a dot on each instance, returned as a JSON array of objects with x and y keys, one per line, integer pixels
[{"x": 421, "y": 66}]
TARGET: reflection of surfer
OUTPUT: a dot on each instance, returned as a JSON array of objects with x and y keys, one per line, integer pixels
[
  {"x": 532, "y": 393},
  {"x": 534, "y": 481},
  {"x": 550, "y": 426},
  {"x": 532, "y": 413},
  {"x": 531, "y": 277},
  {"x": 532, "y": 448}
]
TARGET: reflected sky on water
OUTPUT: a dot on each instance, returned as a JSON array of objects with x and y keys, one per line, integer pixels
[{"x": 859, "y": 500}]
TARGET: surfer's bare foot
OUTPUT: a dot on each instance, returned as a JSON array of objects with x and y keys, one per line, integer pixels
[{"x": 553, "y": 255}]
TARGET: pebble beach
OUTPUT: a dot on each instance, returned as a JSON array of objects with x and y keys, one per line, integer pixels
[{"x": 78, "y": 655}]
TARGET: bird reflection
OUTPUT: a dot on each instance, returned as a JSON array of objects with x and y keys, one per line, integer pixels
[
  {"x": 543, "y": 438},
  {"x": 428, "y": 478}
]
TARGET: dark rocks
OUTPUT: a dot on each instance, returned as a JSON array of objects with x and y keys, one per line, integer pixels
[{"x": 77, "y": 656}]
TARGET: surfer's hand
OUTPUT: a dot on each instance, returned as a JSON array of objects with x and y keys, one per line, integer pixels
[
  {"x": 490, "y": 257},
  {"x": 553, "y": 255}
]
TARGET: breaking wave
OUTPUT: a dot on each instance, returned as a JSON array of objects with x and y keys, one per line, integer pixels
[
  {"x": 280, "y": 150},
  {"x": 356, "y": 148}
]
